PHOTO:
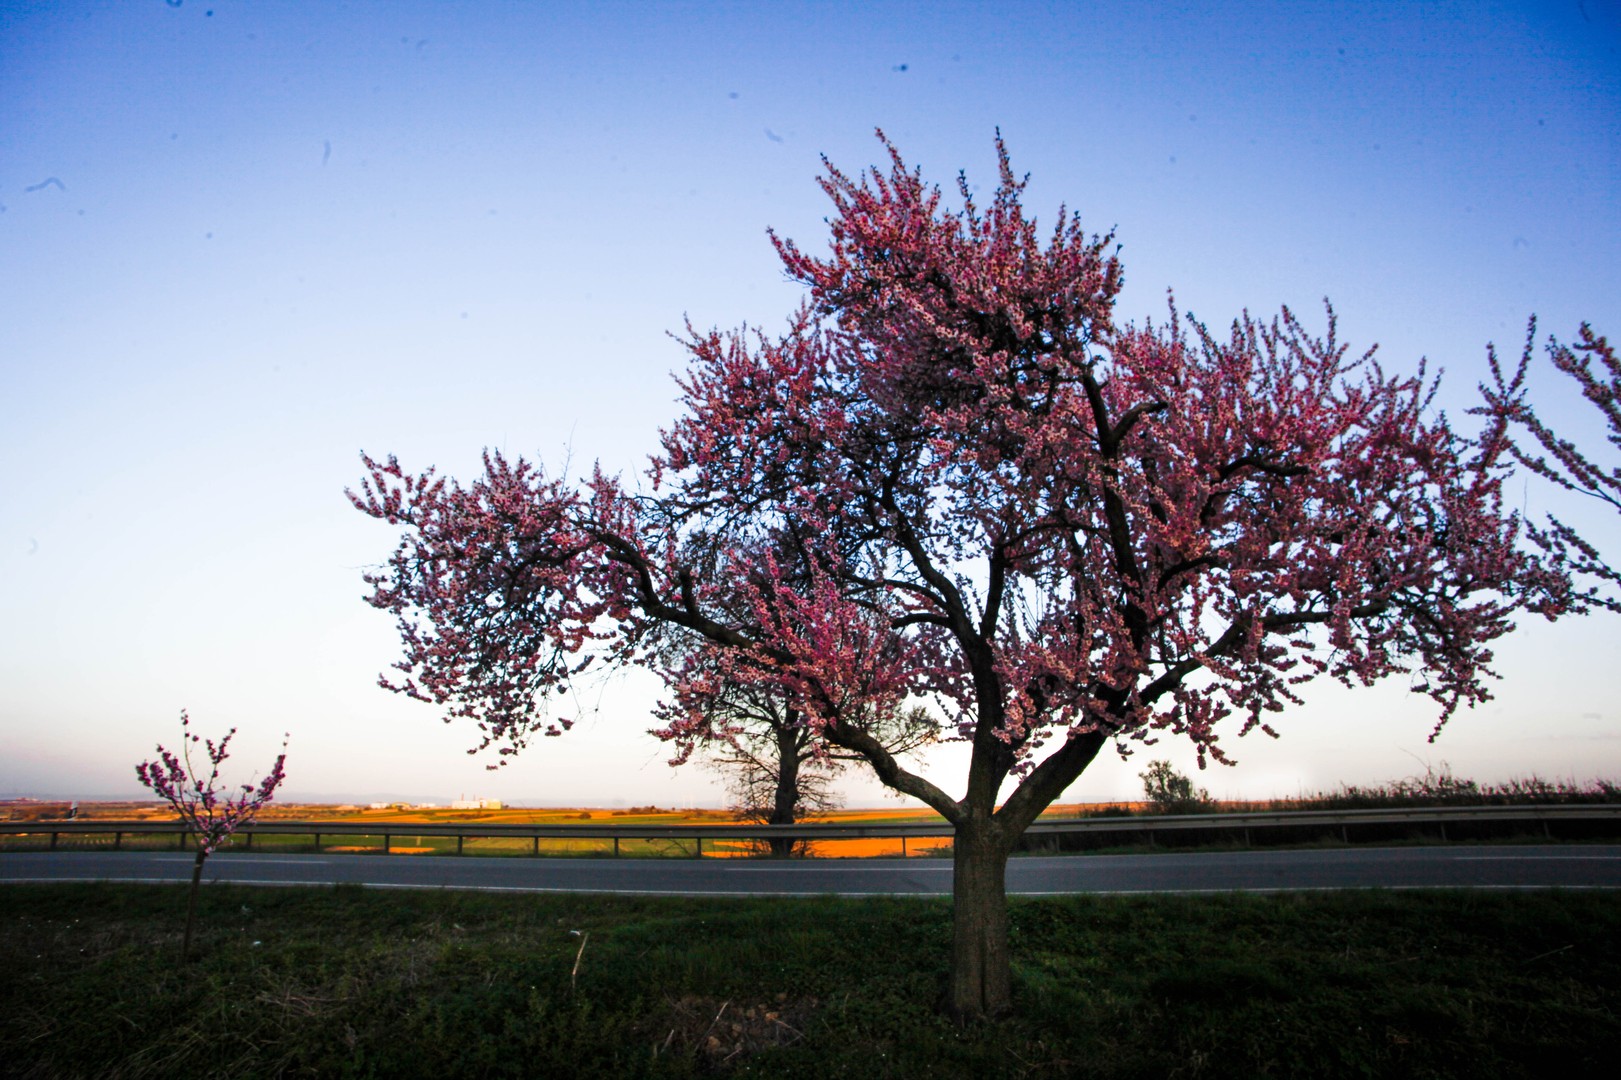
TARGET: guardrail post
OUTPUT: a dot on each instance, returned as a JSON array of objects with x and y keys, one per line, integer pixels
[
  {"x": 903, "y": 847},
  {"x": 387, "y": 840},
  {"x": 53, "y": 839},
  {"x": 537, "y": 845},
  {"x": 459, "y": 839},
  {"x": 248, "y": 838},
  {"x": 182, "y": 840},
  {"x": 700, "y": 842},
  {"x": 317, "y": 841},
  {"x": 118, "y": 840},
  {"x": 616, "y": 847}
]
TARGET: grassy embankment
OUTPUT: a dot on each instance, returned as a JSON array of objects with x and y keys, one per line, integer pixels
[{"x": 354, "y": 982}]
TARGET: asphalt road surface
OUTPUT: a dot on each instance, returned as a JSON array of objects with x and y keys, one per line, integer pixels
[{"x": 1584, "y": 866}]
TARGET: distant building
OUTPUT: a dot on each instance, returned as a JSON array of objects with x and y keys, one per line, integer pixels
[{"x": 476, "y": 804}]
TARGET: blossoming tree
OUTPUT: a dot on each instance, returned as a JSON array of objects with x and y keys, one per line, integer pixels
[
  {"x": 1061, "y": 529},
  {"x": 211, "y": 814}
]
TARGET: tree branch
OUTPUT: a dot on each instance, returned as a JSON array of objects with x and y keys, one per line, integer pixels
[
  {"x": 1047, "y": 781},
  {"x": 890, "y": 772}
]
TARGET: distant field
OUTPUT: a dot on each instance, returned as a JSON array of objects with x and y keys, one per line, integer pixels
[
  {"x": 352, "y": 828},
  {"x": 368, "y": 836},
  {"x": 19, "y": 810}
]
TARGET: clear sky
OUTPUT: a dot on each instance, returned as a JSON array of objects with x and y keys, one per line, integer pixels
[{"x": 241, "y": 243}]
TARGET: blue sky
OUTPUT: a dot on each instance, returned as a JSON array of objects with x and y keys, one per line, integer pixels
[{"x": 241, "y": 243}]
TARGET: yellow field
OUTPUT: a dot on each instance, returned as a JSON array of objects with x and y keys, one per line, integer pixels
[{"x": 368, "y": 823}]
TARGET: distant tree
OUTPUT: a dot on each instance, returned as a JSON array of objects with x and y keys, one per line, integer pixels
[
  {"x": 1170, "y": 792},
  {"x": 1061, "y": 529},
  {"x": 1560, "y": 460},
  {"x": 208, "y": 811},
  {"x": 775, "y": 779},
  {"x": 747, "y": 727},
  {"x": 776, "y": 770}
]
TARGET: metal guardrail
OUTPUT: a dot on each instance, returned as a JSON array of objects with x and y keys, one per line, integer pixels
[{"x": 1042, "y": 833}]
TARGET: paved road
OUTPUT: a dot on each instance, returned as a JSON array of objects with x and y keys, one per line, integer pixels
[{"x": 1567, "y": 866}]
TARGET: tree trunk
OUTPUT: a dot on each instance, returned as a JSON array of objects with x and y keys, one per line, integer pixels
[
  {"x": 191, "y": 903},
  {"x": 981, "y": 976},
  {"x": 787, "y": 795}
]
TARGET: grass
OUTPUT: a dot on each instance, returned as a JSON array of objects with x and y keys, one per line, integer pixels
[{"x": 359, "y": 982}]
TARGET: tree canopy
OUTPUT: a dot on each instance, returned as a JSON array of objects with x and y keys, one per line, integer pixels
[{"x": 1059, "y": 528}]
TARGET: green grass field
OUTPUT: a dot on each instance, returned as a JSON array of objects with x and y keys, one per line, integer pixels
[{"x": 367, "y": 982}]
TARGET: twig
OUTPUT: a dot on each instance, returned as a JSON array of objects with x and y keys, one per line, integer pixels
[
  {"x": 797, "y": 1033},
  {"x": 715, "y": 1021},
  {"x": 1550, "y": 952},
  {"x": 573, "y": 977}
]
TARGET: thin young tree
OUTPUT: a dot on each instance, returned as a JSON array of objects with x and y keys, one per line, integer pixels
[
  {"x": 1591, "y": 363},
  {"x": 209, "y": 812},
  {"x": 1061, "y": 529}
]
